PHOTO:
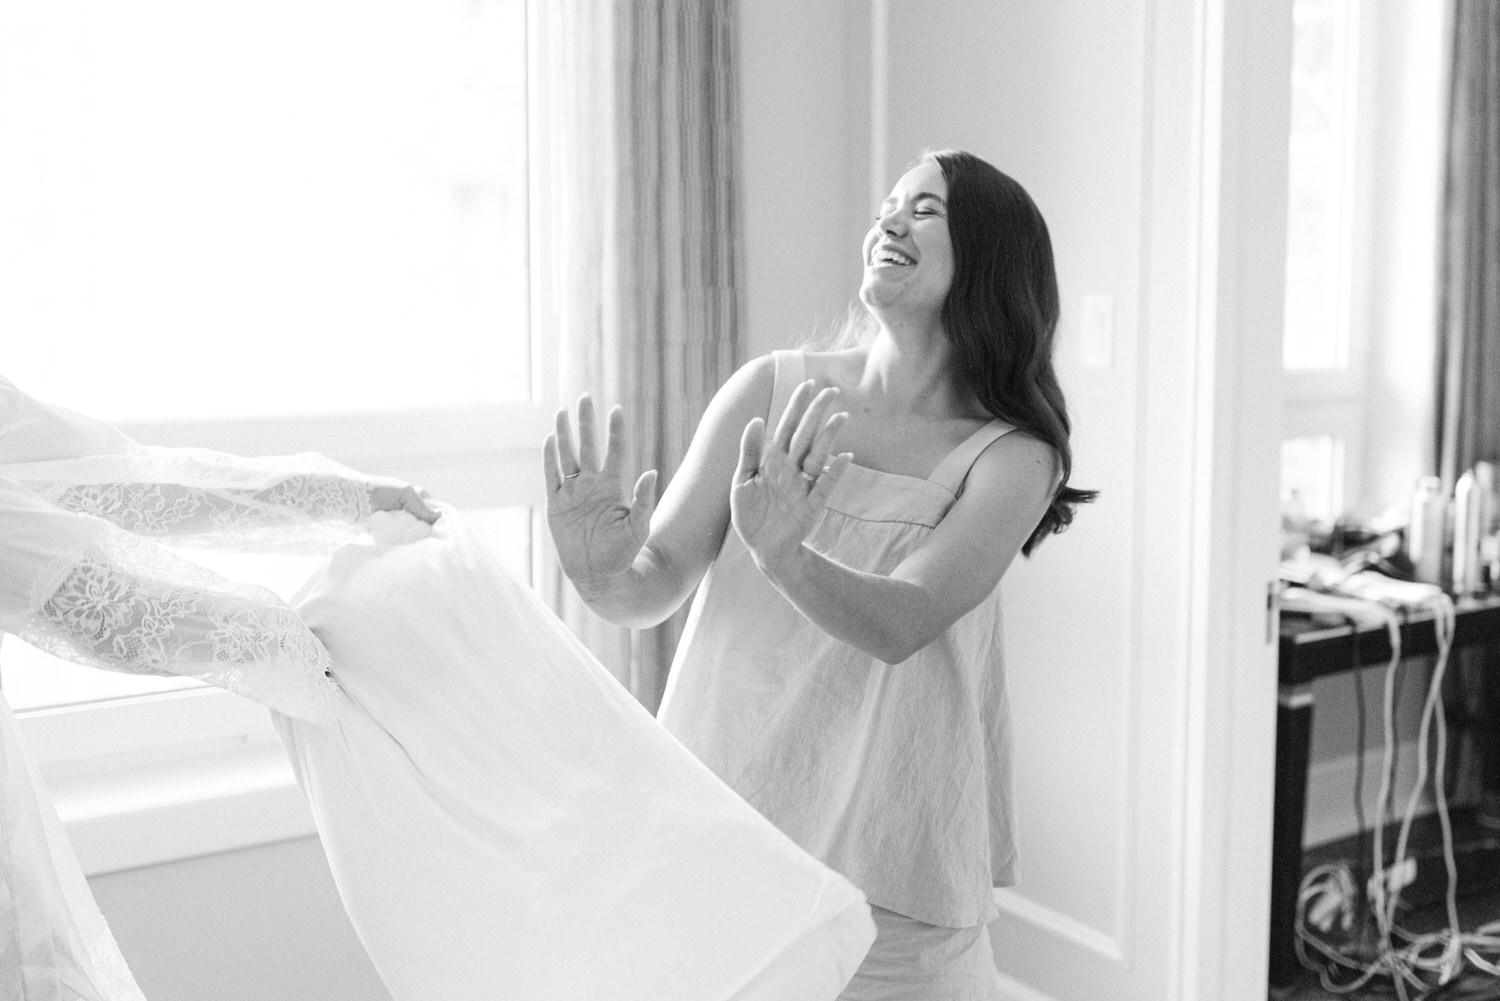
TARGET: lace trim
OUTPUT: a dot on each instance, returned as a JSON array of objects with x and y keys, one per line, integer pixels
[
  {"x": 164, "y": 509},
  {"x": 50, "y": 579},
  {"x": 127, "y": 605}
]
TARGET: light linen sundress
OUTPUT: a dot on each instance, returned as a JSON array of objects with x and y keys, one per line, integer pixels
[{"x": 897, "y": 776}]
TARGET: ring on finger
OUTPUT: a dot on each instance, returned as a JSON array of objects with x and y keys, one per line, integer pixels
[
  {"x": 809, "y": 477},
  {"x": 569, "y": 476}
]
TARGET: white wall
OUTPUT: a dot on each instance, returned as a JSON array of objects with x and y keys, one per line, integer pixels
[
  {"x": 1050, "y": 93},
  {"x": 1089, "y": 106},
  {"x": 805, "y": 115},
  {"x": 262, "y": 924}
]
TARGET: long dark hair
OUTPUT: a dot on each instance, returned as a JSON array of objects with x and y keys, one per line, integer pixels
[{"x": 1001, "y": 313}]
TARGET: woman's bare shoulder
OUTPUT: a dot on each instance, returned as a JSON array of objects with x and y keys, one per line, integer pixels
[{"x": 1018, "y": 459}]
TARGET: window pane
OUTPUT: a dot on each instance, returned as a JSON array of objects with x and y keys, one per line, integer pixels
[
  {"x": 35, "y": 680},
  {"x": 1312, "y": 476},
  {"x": 275, "y": 209},
  {"x": 236, "y": 210},
  {"x": 1315, "y": 335},
  {"x": 508, "y": 531}
]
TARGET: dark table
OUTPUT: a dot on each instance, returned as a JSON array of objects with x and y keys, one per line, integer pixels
[{"x": 1310, "y": 650}]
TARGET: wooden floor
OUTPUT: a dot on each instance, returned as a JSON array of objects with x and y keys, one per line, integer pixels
[{"x": 1425, "y": 910}]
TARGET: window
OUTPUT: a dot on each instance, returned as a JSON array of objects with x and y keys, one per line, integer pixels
[
  {"x": 1322, "y": 352},
  {"x": 268, "y": 228}
]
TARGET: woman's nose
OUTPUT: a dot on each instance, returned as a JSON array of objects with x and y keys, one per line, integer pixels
[{"x": 893, "y": 223}]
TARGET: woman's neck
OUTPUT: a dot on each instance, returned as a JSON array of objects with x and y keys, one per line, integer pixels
[{"x": 909, "y": 373}]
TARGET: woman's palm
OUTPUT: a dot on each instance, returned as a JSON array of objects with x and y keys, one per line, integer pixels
[{"x": 597, "y": 529}]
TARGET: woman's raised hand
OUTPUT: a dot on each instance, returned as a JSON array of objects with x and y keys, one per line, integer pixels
[
  {"x": 596, "y": 529},
  {"x": 782, "y": 484}
]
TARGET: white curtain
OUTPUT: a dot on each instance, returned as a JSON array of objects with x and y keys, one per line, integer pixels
[{"x": 640, "y": 290}]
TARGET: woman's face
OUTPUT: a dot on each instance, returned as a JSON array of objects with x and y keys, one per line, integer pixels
[{"x": 908, "y": 252}]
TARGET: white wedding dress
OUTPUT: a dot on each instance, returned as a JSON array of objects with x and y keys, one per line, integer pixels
[{"x": 502, "y": 819}]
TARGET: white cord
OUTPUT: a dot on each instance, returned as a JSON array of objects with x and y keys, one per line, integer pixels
[{"x": 1406, "y": 958}]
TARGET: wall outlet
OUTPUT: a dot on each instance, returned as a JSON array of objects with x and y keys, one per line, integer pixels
[{"x": 1096, "y": 331}]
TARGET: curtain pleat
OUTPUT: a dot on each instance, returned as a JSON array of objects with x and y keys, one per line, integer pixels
[
  {"x": 1468, "y": 363},
  {"x": 653, "y": 316}
]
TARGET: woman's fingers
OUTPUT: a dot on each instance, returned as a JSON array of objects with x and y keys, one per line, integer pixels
[
  {"x": 388, "y": 496},
  {"x": 614, "y": 447},
  {"x": 567, "y": 456},
  {"x": 752, "y": 445},
  {"x": 803, "y": 421},
  {"x": 416, "y": 504},
  {"x": 549, "y": 464},
  {"x": 792, "y": 415},
  {"x": 818, "y": 455},
  {"x": 812, "y": 427},
  {"x": 588, "y": 449},
  {"x": 642, "y": 504}
]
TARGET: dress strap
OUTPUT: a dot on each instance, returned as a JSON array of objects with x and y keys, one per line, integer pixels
[
  {"x": 954, "y": 468},
  {"x": 791, "y": 367}
]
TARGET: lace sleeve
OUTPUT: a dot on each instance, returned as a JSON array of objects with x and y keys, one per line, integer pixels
[
  {"x": 172, "y": 510},
  {"x": 199, "y": 497},
  {"x": 124, "y": 604}
]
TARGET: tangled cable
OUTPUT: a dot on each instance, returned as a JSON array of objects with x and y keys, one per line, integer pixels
[{"x": 1416, "y": 963}]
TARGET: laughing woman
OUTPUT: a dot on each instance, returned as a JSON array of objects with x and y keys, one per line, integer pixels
[{"x": 845, "y": 518}]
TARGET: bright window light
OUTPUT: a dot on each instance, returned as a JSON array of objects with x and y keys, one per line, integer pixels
[
  {"x": 1312, "y": 476},
  {"x": 220, "y": 213},
  {"x": 1316, "y": 331},
  {"x": 230, "y": 210}
]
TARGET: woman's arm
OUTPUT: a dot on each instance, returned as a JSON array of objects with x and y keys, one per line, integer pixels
[
  {"x": 631, "y": 565},
  {"x": 200, "y": 497},
  {"x": 87, "y": 592},
  {"x": 193, "y": 496},
  {"x": 959, "y": 563}
]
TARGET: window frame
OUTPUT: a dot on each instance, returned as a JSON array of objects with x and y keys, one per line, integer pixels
[
  {"x": 1330, "y": 401},
  {"x": 148, "y": 779}
]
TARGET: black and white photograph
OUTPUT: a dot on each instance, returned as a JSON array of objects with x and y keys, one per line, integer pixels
[{"x": 750, "y": 500}]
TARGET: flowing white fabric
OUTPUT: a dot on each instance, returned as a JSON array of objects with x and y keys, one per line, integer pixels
[
  {"x": 82, "y": 509},
  {"x": 54, "y": 943},
  {"x": 503, "y": 819}
]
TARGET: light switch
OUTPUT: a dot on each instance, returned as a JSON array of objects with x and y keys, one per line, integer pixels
[{"x": 1096, "y": 331}]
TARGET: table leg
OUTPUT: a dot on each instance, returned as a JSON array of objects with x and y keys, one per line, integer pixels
[{"x": 1294, "y": 715}]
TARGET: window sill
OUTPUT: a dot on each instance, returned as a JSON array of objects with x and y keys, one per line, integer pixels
[
  {"x": 140, "y": 782},
  {"x": 125, "y": 818}
]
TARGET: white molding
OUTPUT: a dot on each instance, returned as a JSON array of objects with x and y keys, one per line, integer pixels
[
  {"x": 1059, "y": 924},
  {"x": 158, "y": 778},
  {"x": 220, "y": 801},
  {"x": 74, "y": 739},
  {"x": 1235, "y": 290}
]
